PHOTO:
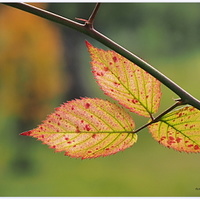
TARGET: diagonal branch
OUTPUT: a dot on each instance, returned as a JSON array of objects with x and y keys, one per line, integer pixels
[{"x": 90, "y": 31}]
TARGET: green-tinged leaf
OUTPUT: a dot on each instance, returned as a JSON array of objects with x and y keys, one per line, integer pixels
[
  {"x": 179, "y": 129},
  {"x": 87, "y": 128},
  {"x": 124, "y": 81}
]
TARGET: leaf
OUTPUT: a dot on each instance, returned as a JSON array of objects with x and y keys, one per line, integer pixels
[
  {"x": 87, "y": 128},
  {"x": 179, "y": 129},
  {"x": 125, "y": 82}
]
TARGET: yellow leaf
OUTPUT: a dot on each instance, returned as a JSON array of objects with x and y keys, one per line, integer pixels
[
  {"x": 125, "y": 82},
  {"x": 87, "y": 128},
  {"x": 179, "y": 129}
]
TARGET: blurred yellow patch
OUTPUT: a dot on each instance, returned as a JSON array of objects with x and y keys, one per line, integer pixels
[{"x": 31, "y": 63}]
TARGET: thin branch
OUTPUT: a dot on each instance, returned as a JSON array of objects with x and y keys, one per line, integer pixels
[
  {"x": 90, "y": 31},
  {"x": 89, "y": 22},
  {"x": 93, "y": 15}
]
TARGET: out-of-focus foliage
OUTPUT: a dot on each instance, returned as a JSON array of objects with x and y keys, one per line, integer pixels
[{"x": 31, "y": 61}]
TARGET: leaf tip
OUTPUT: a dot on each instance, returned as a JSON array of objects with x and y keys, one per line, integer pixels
[
  {"x": 26, "y": 133},
  {"x": 87, "y": 44}
]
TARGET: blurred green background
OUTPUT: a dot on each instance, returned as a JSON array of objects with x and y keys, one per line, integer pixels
[{"x": 43, "y": 64}]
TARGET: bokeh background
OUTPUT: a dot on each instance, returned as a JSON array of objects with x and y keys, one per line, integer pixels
[{"x": 43, "y": 64}]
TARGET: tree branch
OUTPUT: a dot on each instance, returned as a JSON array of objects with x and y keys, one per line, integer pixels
[{"x": 90, "y": 31}]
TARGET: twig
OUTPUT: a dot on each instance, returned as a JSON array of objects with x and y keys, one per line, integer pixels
[{"x": 90, "y": 21}]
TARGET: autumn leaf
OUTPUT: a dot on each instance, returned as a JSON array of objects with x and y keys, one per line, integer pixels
[
  {"x": 125, "y": 82},
  {"x": 179, "y": 129},
  {"x": 87, "y": 128}
]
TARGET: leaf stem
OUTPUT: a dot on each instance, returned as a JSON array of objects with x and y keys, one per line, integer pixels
[
  {"x": 90, "y": 31},
  {"x": 156, "y": 119}
]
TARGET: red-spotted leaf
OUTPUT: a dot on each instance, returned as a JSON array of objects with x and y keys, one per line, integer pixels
[
  {"x": 125, "y": 82},
  {"x": 179, "y": 129},
  {"x": 87, "y": 128}
]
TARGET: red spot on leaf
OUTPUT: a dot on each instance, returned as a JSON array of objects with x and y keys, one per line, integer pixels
[
  {"x": 94, "y": 136},
  {"x": 196, "y": 147},
  {"x": 99, "y": 73},
  {"x": 87, "y": 127},
  {"x": 116, "y": 83},
  {"x": 77, "y": 130},
  {"x": 69, "y": 142},
  {"x": 89, "y": 151},
  {"x": 66, "y": 138},
  {"x": 87, "y": 105},
  {"x": 180, "y": 114},
  {"x": 178, "y": 139},
  {"x": 190, "y": 145},
  {"x": 171, "y": 138},
  {"x": 72, "y": 108},
  {"x": 162, "y": 138},
  {"x": 54, "y": 146},
  {"x": 107, "y": 149},
  {"x": 169, "y": 132},
  {"x": 106, "y": 68},
  {"x": 191, "y": 109},
  {"x": 115, "y": 59},
  {"x": 134, "y": 101},
  {"x": 170, "y": 142},
  {"x": 192, "y": 126}
]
